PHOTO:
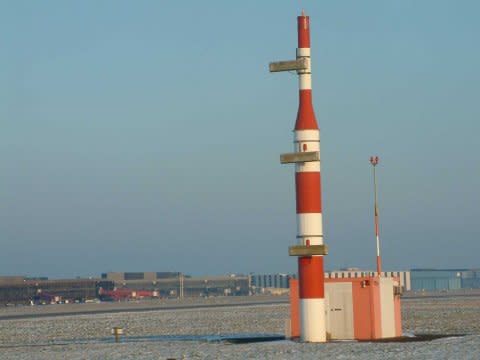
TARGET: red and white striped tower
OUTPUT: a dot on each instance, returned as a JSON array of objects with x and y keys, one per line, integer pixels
[
  {"x": 374, "y": 161},
  {"x": 310, "y": 248},
  {"x": 309, "y": 205}
]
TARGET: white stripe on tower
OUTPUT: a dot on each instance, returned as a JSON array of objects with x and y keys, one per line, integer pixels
[{"x": 308, "y": 200}]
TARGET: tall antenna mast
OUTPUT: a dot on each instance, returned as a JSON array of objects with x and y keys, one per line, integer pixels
[{"x": 374, "y": 161}]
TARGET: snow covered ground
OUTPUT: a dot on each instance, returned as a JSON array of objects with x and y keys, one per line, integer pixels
[{"x": 88, "y": 336}]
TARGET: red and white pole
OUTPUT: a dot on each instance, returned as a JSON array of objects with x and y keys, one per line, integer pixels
[
  {"x": 306, "y": 157},
  {"x": 374, "y": 161},
  {"x": 308, "y": 201}
]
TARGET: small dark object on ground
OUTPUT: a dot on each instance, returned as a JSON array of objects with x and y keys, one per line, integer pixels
[{"x": 252, "y": 339}]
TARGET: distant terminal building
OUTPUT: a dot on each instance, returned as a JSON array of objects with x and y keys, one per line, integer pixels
[
  {"x": 24, "y": 290},
  {"x": 7, "y": 280},
  {"x": 176, "y": 284},
  {"x": 276, "y": 281},
  {"x": 471, "y": 279},
  {"x": 445, "y": 279},
  {"x": 139, "y": 276}
]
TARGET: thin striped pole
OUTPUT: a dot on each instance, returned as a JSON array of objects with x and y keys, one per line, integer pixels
[{"x": 374, "y": 160}]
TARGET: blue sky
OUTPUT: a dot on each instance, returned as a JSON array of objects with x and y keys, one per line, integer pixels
[{"x": 145, "y": 136}]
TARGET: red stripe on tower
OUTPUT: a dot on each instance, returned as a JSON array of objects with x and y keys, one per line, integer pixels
[
  {"x": 305, "y": 115},
  {"x": 308, "y": 190},
  {"x": 310, "y": 287}
]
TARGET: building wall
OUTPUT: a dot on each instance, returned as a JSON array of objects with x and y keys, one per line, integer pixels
[
  {"x": 6, "y": 280},
  {"x": 403, "y": 276},
  {"x": 387, "y": 300},
  {"x": 192, "y": 286},
  {"x": 279, "y": 281},
  {"x": 68, "y": 289},
  {"x": 471, "y": 279},
  {"x": 431, "y": 279},
  {"x": 144, "y": 276}
]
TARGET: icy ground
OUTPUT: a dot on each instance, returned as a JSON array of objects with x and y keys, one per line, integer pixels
[{"x": 88, "y": 336}]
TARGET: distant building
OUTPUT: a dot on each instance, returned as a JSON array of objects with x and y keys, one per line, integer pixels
[
  {"x": 273, "y": 284},
  {"x": 140, "y": 276},
  {"x": 176, "y": 284},
  {"x": 437, "y": 279},
  {"x": 22, "y": 290},
  {"x": 8, "y": 280},
  {"x": 471, "y": 279},
  {"x": 263, "y": 281}
]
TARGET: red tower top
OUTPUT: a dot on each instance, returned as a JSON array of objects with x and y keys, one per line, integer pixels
[
  {"x": 303, "y": 31},
  {"x": 306, "y": 115}
]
